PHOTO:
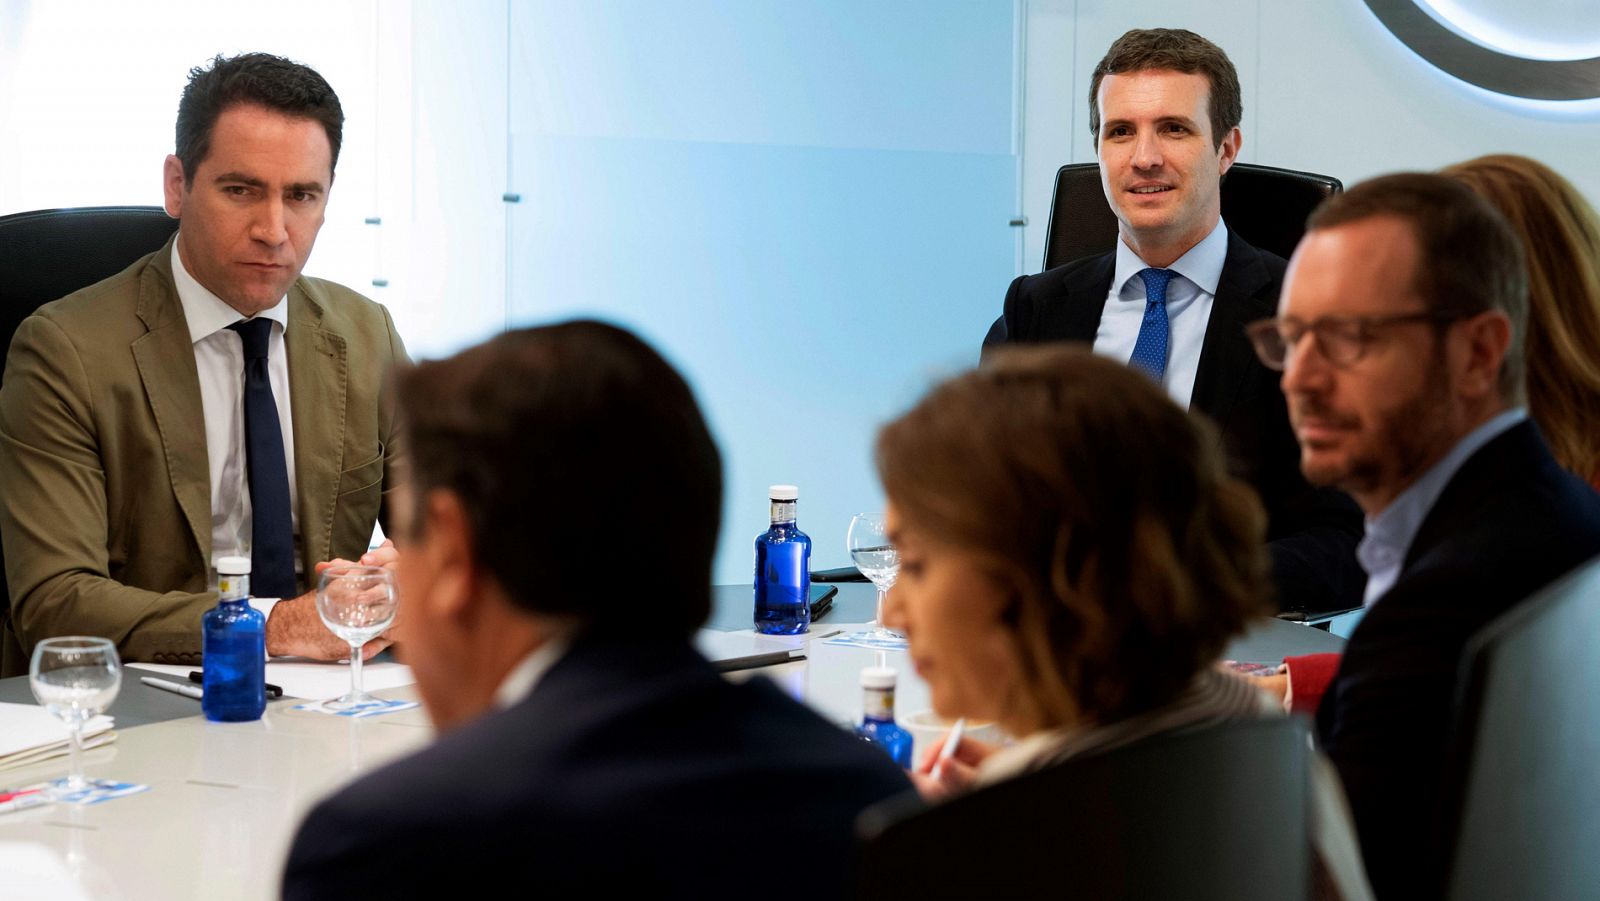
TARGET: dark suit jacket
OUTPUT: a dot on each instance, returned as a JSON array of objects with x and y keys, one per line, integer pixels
[
  {"x": 1313, "y": 531},
  {"x": 1510, "y": 522},
  {"x": 630, "y": 765}
]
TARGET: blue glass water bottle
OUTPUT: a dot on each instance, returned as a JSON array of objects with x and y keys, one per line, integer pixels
[
  {"x": 783, "y": 569},
  {"x": 877, "y": 715},
  {"x": 234, "y": 649}
]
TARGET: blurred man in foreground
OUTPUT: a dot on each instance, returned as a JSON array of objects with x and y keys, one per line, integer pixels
[{"x": 558, "y": 531}]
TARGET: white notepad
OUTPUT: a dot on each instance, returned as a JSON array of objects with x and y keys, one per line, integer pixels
[
  {"x": 29, "y": 734},
  {"x": 308, "y": 680}
]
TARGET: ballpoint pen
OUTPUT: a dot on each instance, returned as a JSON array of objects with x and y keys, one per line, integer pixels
[
  {"x": 22, "y": 799},
  {"x": 273, "y": 691},
  {"x": 177, "y": 688},
  {"x": 951, "y": 742}
]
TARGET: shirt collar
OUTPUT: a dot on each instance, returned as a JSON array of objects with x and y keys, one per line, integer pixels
[
  {"x": 1201, "y": 264},
  {"x": 525, "y": 676},
  {"x": 1394, "y": 528},
  {"x": 205, "y": 312}
]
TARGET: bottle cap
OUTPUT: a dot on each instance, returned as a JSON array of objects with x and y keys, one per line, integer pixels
[
  {"x": 783, "y": 493},
  {"x": 233, "y": 566},
  {"x": 877, "y": 677}
]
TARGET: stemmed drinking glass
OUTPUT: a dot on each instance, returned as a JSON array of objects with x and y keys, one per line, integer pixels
[
  {"x": 356, "y": 603},
  {"x": 75, "y": 678},
  {"x": 876, "y": 557}
]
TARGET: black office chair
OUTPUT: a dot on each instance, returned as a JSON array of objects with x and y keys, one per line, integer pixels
[
  {"x": 48, "y": 254},
  {"x": 1216, "y": 815},
  {"x": 1523, "y": 786},
  {"x": 1266, "y": 206}
]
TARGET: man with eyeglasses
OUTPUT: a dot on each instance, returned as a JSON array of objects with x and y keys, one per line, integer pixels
[
  {"x": 1174, "y": 295},
  {"x": 1400, "y": 339}
]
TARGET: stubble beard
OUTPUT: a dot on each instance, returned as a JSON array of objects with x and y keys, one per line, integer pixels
[{"x": 1415, "y": 434}]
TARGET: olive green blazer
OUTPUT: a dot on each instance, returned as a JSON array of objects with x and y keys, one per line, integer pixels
[{"x": 105, "y": 491}]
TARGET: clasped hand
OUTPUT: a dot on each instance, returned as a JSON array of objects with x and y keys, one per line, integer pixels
[{"x": 295, "y": 630}]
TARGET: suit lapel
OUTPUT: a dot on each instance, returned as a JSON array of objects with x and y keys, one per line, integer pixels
[
  {"x": 1226, "y": 359},
  {"x": 1519, "y": 449},
  {"x": 1086, "y": 299},
  {"x": 164, "y": 356},
  {"x": 318, "y": 374}
]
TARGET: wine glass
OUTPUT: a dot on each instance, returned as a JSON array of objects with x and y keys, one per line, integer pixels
[
  {"x": 879, "y": 561},
  {"x": 356, "y": 603},
  {"x": 75, "y": 678}
]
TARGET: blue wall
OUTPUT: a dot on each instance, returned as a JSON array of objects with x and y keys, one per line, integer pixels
[{"x": 803, "y": 205}]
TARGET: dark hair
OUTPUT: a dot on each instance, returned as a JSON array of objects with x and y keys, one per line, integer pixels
[
  {"x": 591, "y": 485},
  {"x": 1103, "y": 508},
  {"x": 1561, "y": 238},
  {"x": 1177, "y": 50},
  {"x": 1470, "y": 261},
  {"x": 258, "y": 79}
]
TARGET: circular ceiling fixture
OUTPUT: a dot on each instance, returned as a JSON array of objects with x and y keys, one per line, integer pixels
[{"x": 1490, "y": 69}]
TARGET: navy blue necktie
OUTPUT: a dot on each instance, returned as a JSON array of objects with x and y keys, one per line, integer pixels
[
  {"x": 272, "y": 531},
  {"x": 1150, "y": 351}
]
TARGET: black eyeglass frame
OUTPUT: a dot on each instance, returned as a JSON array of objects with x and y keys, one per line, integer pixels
[{"x": 1359, "y": 335}]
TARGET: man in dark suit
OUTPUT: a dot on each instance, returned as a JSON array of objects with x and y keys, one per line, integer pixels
[
  {"x": 1174, "y": 297},
  {"x": 558, "y": 531},
  {"x": 1400, "y": 337}
]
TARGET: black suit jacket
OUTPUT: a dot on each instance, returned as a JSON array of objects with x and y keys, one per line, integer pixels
[
  {"x": 631, "y": 764},
  {"x": 1510, "y": 522},
  {"x": 1313, "y": 532}
]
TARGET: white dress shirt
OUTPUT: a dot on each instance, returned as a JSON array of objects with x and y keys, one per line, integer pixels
[
  {"x": 219, "y": 359},
  {"x": 525, "y": 676},
  {"x": 1190, "y": 297}
]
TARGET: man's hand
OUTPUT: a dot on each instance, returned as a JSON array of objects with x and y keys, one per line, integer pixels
[
  {"x": 295, "y": 630},
  {"x": 1275, "y": 684},
  {"x": 384, "y": 555}
]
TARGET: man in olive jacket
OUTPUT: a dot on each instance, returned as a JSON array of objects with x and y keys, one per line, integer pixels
[{"x": 129, "y": 447}]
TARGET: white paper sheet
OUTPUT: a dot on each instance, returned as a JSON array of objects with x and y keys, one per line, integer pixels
[
  {"x": 309, "y": 680},
  {"x": 29, "y": 733}
]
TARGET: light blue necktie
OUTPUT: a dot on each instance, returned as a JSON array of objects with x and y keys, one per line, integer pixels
[{"x": 1150, "y": 351}]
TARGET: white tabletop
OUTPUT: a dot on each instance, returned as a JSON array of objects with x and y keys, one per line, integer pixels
[{"x": 224, "y": 799}]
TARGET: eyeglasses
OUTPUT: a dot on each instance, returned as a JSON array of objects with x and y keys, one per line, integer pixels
[{"x": 1341, "y": 339}]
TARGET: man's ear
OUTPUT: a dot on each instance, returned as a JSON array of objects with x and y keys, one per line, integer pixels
[
  {"x": 172, "y": 185},
  {"x": 1486, "y": 339},
  {"x": 1228, "y": 151},
  {"x": 447, "y": 546}
]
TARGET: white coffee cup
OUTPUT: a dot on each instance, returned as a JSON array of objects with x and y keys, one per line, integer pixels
[{"x": 927, "y": 727}]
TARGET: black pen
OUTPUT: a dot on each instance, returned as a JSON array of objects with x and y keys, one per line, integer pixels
[{"x": 273, "y": 691}]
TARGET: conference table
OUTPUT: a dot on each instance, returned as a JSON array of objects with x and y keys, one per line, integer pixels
[{"x": 224, "y": 798}]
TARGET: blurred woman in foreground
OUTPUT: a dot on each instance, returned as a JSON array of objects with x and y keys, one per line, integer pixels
[
  {"x": 1561, "y": 234},
  {"x": 1074, "y": 560}
]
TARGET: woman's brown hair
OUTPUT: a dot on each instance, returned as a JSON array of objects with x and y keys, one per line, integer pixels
[
  {"x": 1561, "y": 234},
  {"x": 1104, "y": 510}
]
